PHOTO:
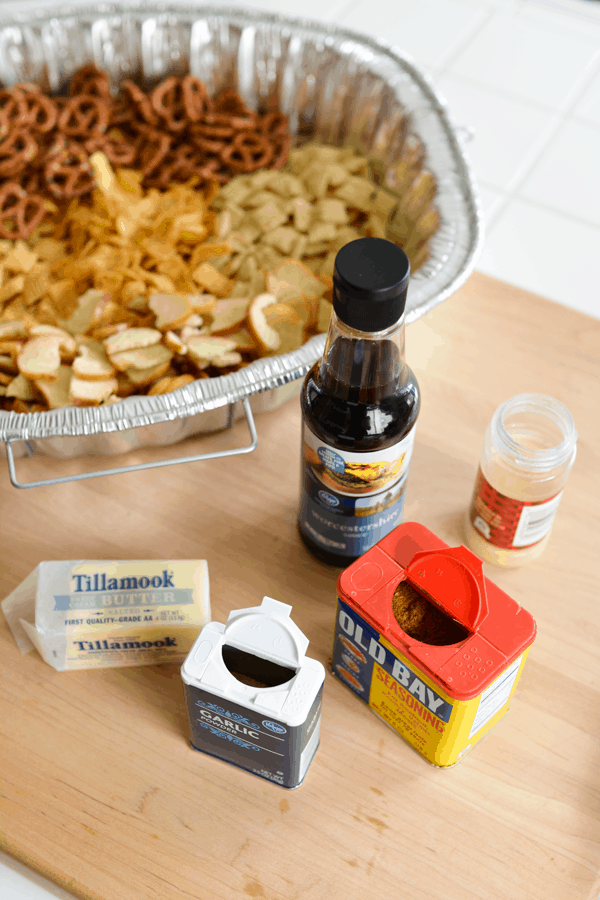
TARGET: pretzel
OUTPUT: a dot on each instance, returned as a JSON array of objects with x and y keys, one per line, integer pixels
[
  {"x": 90, "y": 80},
  {"x": 185, "y": 162},
  {"x": 176, "y": 165},
  {"x": 32, "y": 181},
  {"x": 210, "y": 170},
  {"x": 40, "y": 112},
  {"x": 196, "y": 101},
  {"x": 12, "y": 111},
  {"x": 274, "y": 125},
  {"x": 118, "y": 149},
  {"x": 176, "y": 133},
  {"x": 154, "y": 152},
  {"x": 167, "y": 102},
  {"x": 67, "y": 171},
  {"x": 141, "y": 104},
  {"x": 211, "y": 132},
  {"x": 208, "y": 146},
  {"x": 248, "y": 152},
  {"x": 25, "y": 211},
  {"x": 281, "y": 152},
  {"x": 16, "y": 151},
  {"x": 84, "y": 116},
  {"x": 230, "y": 102}
]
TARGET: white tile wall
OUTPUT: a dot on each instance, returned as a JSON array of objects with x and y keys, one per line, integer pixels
[
  {"x": 430, "y": 30},
  {"x": 567, "y": 174},
  {"x": 547, "y": 253},
  {"x": 529, "y": 58},
  {"x": 526, "y": 75},
  {"x": 588, "y": 106},
  {"x": 509, "y": 135}
]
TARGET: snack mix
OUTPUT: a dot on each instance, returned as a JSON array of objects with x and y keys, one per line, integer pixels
[{"x": 151, "y": 239}]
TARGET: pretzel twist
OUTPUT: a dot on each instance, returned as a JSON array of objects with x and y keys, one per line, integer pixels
[
  {"x": 153, "y": 152},
  {"x": 12, "y": 111},
  {"x": 168, "y": 103},
  {"x": 140, "y": 103},
  {"x": 84, "y": 116},
  {"x": 16, "y": 152},
  {"x": 20, "y": 213},
  {"x": 67, "y": 170},
  {"x": 248, "y": 152},
  {"x": 196, "y": 101},
  {"x": 92, "y": 81}
]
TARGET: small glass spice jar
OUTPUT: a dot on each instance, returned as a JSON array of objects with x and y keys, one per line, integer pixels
[{"x": 528, "y": 450}]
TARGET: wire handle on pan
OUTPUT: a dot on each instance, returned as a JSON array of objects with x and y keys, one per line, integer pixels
[{"x": 236, "y": 451}]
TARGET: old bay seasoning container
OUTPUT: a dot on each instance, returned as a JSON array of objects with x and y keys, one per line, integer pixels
[
  {"x": 253, "y": 697},
  {"x": 444, "y": 689},
  {"x": 359, "y": 408}
]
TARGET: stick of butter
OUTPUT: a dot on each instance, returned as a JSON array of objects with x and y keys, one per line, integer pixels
[{"x": 85, "y": 614}]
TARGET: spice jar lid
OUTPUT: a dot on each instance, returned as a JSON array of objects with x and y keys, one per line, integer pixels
[
  {"x": 267, "y": 630},
  {"x": 370, "y": 282},
  {"x": 264, "y": 632},
  {"x": 455, "y": 579},
  {"x": 498, "y": 629}
]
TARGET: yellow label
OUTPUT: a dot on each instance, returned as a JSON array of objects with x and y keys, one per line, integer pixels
[
  {"x": 399, "y": 702},
  {"x": 82, "y": 614},
  {"x": 133, "y": 612},
  {"x": 436, "y": 724}
]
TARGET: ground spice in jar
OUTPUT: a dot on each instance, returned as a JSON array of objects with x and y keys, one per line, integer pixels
[{"x": 422, "y": 620}]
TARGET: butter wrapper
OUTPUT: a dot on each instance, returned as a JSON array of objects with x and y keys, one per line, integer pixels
[{"x": 85, "y": 614}]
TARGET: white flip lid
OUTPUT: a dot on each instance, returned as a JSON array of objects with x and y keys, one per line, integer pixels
[{"x": 266, "y": 631}]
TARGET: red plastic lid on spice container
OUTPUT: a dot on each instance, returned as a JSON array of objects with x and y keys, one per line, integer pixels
[{"x": 496, "y": 628}]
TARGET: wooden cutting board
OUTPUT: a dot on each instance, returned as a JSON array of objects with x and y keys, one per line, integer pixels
[{"x": 100, "y": 789}]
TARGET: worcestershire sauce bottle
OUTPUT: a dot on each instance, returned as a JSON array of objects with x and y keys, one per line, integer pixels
[{"x": 359, "y": 407}]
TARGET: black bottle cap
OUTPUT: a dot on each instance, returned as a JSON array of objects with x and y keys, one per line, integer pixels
[{"x": 370, "y": 281}]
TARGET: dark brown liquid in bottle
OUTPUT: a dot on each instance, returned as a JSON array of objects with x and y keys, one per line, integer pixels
[{"x": 363, "y": 398}]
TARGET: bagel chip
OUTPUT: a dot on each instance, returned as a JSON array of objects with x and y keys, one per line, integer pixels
[
  {"x": 203, "y": 350},
  {"x": 39, "y": 359},
  {"x": 92, "y": 364},
  {"x": 21, "y": 388},
  {"x": 57, "y": 393},
  {"x": 229, "y": 314},
  {"x": 288, "y": 325},
  {"x": 131, "y": 339},
  {"x": 91, "y": 393},
  {"x": 171, "y": 310},
  {"x": 143, "y": 377},
  {"x": 266, "y": 337},
  {"x": 142, "y": 358}
]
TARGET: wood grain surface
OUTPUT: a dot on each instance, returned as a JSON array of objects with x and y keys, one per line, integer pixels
[{"x": 101, "y": 791}]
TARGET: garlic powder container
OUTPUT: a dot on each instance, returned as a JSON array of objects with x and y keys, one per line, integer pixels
[{"x": 253, "y": 696}]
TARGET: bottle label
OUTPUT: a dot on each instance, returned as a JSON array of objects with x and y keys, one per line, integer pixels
[
  {"x": 352, "y": 500},
  {"x": 508, "y": 523}
]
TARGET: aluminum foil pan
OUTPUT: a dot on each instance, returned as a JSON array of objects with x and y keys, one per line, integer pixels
[{"x": 336, "y": 86}]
